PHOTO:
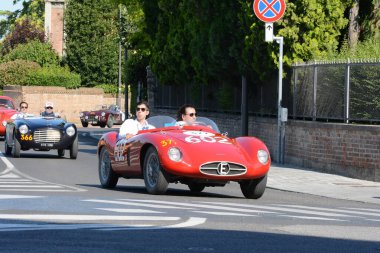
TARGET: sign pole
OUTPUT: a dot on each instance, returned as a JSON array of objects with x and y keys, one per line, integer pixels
[{"x": 280, "y": 138}]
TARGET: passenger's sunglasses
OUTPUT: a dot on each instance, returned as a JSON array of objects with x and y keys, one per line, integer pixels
[
  {"x": 49, "y": 107},
  {"x": 140, "y": 109},
  {"x": 24, "y": 107},
  {"x": 192, "y": 114}
]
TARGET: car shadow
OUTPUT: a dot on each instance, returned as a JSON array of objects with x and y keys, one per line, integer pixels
[{"x": 170, "y": 191}]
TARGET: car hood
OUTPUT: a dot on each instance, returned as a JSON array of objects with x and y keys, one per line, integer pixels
[
  {"x": 205, "y": 146},
  {"x": 43, "y": 122}
]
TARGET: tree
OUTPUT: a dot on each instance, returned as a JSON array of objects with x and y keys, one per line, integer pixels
[{"x": 91, "y": 29}]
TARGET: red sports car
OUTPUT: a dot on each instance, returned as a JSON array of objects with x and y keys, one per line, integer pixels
[
  {"x": 197, "y": 155},
  {"x": 102, "y": 115},
  {"x": 7, "y": 110}
]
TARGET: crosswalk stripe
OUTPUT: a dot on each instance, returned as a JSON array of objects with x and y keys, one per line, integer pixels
[
  {"x": 71, "y": 218},
  {"x": 124, "y": 210},
  {"x": 310, "y": 218},
  {"x": 133, "y": 204},
  {"x": 211, "y": 206},
  {"x": 225, "y": 213}
]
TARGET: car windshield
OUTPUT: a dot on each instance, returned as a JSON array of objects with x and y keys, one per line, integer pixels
[
  {"x": 6, "y": 103},
  {"x": 166, "y": 121}
]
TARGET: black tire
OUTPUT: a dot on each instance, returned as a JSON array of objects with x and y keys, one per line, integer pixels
[
  {"x": 61, "y": 152},
  {"x": 102, "y": 125},
  {"x": 108, "y": 178},
  {"x": 16, "y": 148},
  {"x": 254, "y": 189},
  {"x": 7, "y": 149},
  {"x": 74, "y": 149},
  {"x": 110, "y": 121},
  {"x": 154, "y": 178},
  {"x": 196, "y": 187},
  {"x": 84, "y": 124}
]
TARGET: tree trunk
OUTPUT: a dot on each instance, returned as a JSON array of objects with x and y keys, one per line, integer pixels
[{"x": 354, "y": 28}]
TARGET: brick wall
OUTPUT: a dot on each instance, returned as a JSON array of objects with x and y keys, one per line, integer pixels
[
  {"x": 67, "y": 102},
  {"x": 344, "y": 149}
]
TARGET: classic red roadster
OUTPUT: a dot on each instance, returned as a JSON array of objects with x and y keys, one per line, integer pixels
[
  {"x": 102, "y": 115},
  {"x": 7, "y": 110},
  {"x": 197, "y": 155}
]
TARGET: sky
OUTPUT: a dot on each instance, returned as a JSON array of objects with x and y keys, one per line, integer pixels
[{"x": 7, "y": 5}]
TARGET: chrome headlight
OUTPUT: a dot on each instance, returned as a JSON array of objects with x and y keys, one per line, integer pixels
[
  {"x": 70, "y": 131},
  {"x": 103, "y": 114},
  {"x": 263, "y": 156},
  {"x": 175, "y": 154},
  {"x": 23, "y": 129}
]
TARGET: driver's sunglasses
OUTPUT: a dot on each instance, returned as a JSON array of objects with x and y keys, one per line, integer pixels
[
  {"x": 140, "y": 109},
  {"x": 24, "y": 107},
  {"x": 49, "y": 107},
  {"x": 192, "y": 114}
]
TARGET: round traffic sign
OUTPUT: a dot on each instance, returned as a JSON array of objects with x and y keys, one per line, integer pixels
[{"x": 269, "y": 10}]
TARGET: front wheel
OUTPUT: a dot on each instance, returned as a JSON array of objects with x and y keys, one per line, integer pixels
[
  {"x": 154, "y": 178},
  {"x": 8, "y": 150},
  {"x": 110, "y": 121},
  {"x": 254, "y": 189},
  {"x": 16, "y": 148},
  {"x": 84, "y": 124},
  {"x": 108, "y": 178},
  {"x": 74, "y": 149}
]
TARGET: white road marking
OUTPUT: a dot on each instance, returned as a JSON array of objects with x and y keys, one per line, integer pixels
[
  {"x": 11, "y": 173},
  {"x": 211, "y": 206},
  {"x": 72, "y": 217},
  {"x": 2, "y": 196},
  {"x": 275, "y": 208},
  {"x": 310, "y": 218},
  {"x": 123, "y": 210},
  {"x": 133, "y": 204},
  {"x": 224, "y": 213}
]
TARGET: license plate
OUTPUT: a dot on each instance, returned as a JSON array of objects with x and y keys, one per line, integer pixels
[{"x": 47, "y": 145}]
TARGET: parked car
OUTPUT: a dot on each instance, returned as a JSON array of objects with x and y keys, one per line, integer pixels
[
  {"x": 102, "y": 115},
  {"x": 41, "y": 134},
  {"x": 7, "y": 110},
  {"x": 197, "y": 155}
]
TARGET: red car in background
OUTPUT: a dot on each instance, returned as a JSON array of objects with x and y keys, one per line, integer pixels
[
  {"x": 7, "y": 110},
  {"x": 102, "y": 115}
]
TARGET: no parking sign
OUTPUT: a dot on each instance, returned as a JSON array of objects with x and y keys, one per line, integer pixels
[{"x": 269, "y": 10}]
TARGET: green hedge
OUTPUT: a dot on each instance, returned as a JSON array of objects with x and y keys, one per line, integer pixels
[
  {"x": 15, "y": 72},
  {"x": 36, "y": 51},
  {"x": 54, "y": 76}
]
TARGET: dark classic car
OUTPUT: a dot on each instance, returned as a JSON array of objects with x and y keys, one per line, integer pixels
[
  {"x": 41, "y": 134},
  {"x": 102, "y": 115}
]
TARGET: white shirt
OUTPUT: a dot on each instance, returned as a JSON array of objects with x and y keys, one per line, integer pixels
[
  {"x": 21, "y": 115},
  {"x": 132, "y": 126}
]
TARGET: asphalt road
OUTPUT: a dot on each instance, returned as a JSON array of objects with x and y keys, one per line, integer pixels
[{"x": 51, "y": 204}]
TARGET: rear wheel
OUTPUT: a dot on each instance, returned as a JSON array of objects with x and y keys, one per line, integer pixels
[
  {"x": 110, "y": 121},
  {"x": 254, "y": 189},
  {"x": 108, "y": 178},
  {"x": 154, "y": 178},
  {"x": 74, "y": 149},
  {"x": 84, "y": 124},
  {"x": 102, "y": 125},
  {"x": 196, "y": 187},
  {"x": 8, "y": 150},
  {"x": 61, "y": 152},
  {"x": 16, "y": 148}
]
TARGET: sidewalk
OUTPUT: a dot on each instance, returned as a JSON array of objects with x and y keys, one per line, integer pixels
[{"x": 285, "y": 177}]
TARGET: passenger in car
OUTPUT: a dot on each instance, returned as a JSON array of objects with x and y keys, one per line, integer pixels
[
  {"x": 186, "y": 115},
  {"x": 130, "y": 127},
  {"x": 49, "y": 110}
]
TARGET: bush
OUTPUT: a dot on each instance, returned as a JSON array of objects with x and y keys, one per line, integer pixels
[
  {"x": 15, "y": 72},
  {"x": 53, "y": 76},
  {"x": 36, "y": 51},
  {"x": 110, "y": 88}
]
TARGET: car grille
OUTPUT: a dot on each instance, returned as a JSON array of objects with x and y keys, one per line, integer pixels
[
  {"x": 47, "y": 136},
  {"x": 223, "y": 169},
  {"x": 91, "y": 117}
]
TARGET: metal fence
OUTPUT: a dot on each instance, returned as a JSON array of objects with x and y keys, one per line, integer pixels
[
  {"x": 344, "y": 91},
  {"x": 337, "y": 91}
]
